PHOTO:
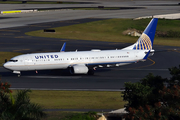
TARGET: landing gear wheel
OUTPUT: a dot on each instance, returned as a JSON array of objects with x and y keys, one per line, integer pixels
[{"x": 91, "y": 72}]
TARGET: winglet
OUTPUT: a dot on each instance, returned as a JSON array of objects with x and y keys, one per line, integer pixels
[
  {"x": 146, "y": 56},
  {"x": 63, "y": 47}
]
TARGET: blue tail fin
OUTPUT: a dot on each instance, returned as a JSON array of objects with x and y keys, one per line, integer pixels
[
  {"x": 145, "y": 42},
  {"x": 63, "y": 48}
]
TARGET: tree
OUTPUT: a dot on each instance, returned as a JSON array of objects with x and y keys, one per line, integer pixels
[
  {"x": 154, "y": 97},
  {"x": 82, "y": 116},
  {"x": 175, "y": 72},
  {"x": 143, "y": 92},
  {"x": 18, "y": 107}
]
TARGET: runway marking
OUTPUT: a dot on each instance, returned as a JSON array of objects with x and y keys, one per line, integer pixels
[
  {"x": 124, "y": 79},
  {"x": 175, "y": 51},
  {"x": 10, "y": 30},
  {"x": 55, "y": 77},
  {"x": 4, "y": 34},
  {"x": 21, "y": 49},
  {"x": 116, "y": 43},
  {"x": 153, "y": 62},
  {"x": 17, "y": 50},
  {"x": 39, "y": 26},
  {"x": 69, "y": 21},
  {"x": 20, "y": 37},
  {"x": 64, "y": 40},
  {"x": 25, "y": 49},
  {"x": 144, "y": 69},
  {"x": 10, "y": 43}
]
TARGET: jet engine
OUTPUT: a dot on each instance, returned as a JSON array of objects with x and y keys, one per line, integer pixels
[{"x": 79, "y": 69}]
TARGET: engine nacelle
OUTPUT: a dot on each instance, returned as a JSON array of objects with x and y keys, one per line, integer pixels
[{"x": 79, "y": 69}]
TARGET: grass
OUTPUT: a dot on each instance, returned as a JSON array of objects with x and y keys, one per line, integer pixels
[
  {"x": 74, "y": 100},
  {"x": 7, "y": 55},
  {"x": 63, "y": 115},
  {"x": 77, "y": 99},
  {"x": 111, "y": 30},
  {"x": 58, "y": 115}
]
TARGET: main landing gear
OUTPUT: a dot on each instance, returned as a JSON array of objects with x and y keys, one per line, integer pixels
[{"x": 91, "y": 72}]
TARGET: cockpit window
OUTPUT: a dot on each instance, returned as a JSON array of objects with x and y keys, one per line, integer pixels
[{"x": 13, "y": 60}]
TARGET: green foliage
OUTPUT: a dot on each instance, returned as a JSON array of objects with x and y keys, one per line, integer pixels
[
  {"x": 112, "y": 30},
  {"x": 77, "y": 99},
  {"x": 139, "y": 94},
  {"x": 175, "y": 72},
  {"x": 82, "y": 116},
  {"x": 4, "y": 98},
  {"x": 136, "y": 94},
  {"x": 166, "y": 25},
  {"x": 18, "y": 107},
  {"x": 154, "y": 97},
  {"x": 172, "y": 34}
]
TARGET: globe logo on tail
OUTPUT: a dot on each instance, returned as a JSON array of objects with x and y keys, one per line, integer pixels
[{"x": 143, "y": 43}]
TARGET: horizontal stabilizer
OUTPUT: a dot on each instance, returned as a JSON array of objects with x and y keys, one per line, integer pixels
[{"x": 146, "y": 56}]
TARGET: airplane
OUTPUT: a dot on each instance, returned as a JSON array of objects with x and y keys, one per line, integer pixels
[{"x": 85, "y": 62}]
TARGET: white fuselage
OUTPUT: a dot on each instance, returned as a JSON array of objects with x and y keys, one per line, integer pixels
[{"x": 63, "y": 60}]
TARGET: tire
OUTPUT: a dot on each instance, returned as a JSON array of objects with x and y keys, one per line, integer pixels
[{"x": 91, "y": 72}]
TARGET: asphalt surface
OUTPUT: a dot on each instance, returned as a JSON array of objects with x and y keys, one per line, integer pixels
[{"x": 14, "y": 39}]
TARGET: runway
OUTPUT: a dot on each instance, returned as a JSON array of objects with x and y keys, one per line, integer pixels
[
  {"x": 108, "y": 79},
  {"x": 12, "y": 38}
]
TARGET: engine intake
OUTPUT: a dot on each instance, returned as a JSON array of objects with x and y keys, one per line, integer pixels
[{"x": 79, "y": 69}]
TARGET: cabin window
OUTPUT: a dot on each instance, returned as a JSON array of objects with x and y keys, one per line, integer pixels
[{"x": 13, "y": 60}]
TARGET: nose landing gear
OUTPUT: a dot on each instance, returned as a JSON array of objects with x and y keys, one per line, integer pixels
[{"x": 17, "y": 72}]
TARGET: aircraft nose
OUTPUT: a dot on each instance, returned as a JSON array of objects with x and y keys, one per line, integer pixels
[{"x": 6, "y": 65}]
